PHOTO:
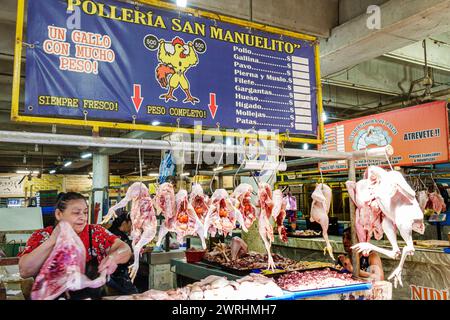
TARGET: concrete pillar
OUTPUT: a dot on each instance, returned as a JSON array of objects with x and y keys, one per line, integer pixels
[{"x": 100, "y": 179}]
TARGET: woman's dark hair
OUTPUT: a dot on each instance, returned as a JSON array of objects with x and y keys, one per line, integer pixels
[
  {"x": 65, "y": 197},
  {"x": 124, "y": 217}
]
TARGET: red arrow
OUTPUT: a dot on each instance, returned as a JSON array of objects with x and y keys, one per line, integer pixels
[
  {"x": 137, "y": 99},
  {"x": 212, "y": 104}
]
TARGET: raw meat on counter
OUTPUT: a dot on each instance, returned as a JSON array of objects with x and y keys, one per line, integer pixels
[
  {"x": 199, "y": 201},
  {"x": 306, "y": 233},
  {"x": 64, "y": 268},
  {"x": 222, "y": 254},
  {"x": 314, "y": 279},
  {"x": 242, "y": 197},
  {"x": 252, "y": 287},
  {"x": 222, "y": 215},
  {"x": 254, "y": 260},
  {"x": 319, "y": 212},
  {"x": 186, "y": 221},
  {"x": 401, "y": 211},
  {"x": 143, "y": 220}
]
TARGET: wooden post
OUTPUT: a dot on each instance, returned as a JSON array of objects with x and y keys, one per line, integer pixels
[{"x": 355, "y": 255}]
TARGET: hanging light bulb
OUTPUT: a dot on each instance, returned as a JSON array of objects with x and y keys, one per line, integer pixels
[
  {"x": 305, "y": 146},
  {"x": 181, "y": 3},
  {"x": 324, "y": 116}
]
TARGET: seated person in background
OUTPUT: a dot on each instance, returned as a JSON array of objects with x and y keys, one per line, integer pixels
[
  {"x": 371, "y": 266},
  {"x": 291, "y": 211},
  {"x": 120, "y": 280}
]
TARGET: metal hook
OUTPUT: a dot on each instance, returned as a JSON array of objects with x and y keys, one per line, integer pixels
[
  {"x": 140, "y": 164},
  {"x": 28, "y": 45},
  {"x": 287, "y": 135},
  {"x": 387, "y": 158}
]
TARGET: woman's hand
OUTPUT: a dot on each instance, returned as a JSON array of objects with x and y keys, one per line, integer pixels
[
  {"x": 108, "y": 265},
  {"x": 55, "y": 233}
]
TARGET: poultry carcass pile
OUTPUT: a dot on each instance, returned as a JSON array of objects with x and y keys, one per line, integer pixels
[
  {"x": 223, "y": 254},
  {"x": 64, "y": 269},
  {"x": 220, "y": 254},
  {"x": 143, "y": 220},
  {"x": 222, "y": 215},
  {"x": 242, "y": 197},
  {"x": 397, "y": 201},
  {"x": 254, "y": 260},
  {"x": 314, "y": 279},
  {"x": 252, "y": 287},
  {"x": 199, "y": 201},
  {"x": 319, "y": 212},
  {"x": 185, "y": 222}
]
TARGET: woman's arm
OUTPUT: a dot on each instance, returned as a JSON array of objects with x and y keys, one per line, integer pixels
[
  {"x": 376, "y": 266},
  {"x": 119, "y": 253},
  {"x": 30, "y": 264}
]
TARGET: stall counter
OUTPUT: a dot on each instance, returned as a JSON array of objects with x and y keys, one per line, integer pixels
[
  {"x": 197, "y": 271},
  {"x": 426, "y": 274}
]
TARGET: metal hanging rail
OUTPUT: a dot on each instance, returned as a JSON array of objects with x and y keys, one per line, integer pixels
[{"x": 106, "y": 142}]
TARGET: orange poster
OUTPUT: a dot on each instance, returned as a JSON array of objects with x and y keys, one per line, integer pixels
[{"x": 419, "y": 135}]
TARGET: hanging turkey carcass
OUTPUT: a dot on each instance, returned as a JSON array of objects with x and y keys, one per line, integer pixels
[{"x": 401, "y": 211}]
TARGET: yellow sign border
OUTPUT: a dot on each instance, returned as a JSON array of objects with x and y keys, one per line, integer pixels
[{"x": 15, "y": 116}]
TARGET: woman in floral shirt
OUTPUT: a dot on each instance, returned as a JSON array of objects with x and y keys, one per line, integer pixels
[{"x": 103, "y": 249}]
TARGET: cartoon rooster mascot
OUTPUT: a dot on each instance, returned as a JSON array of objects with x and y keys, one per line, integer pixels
[{"x": 175, "y": 59}]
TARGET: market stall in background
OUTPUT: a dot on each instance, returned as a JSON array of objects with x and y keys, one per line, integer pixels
[{"x": 205, "y": 134}]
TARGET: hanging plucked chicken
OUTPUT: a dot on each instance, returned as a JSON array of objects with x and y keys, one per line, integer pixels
[{"x": 319, "y": 212}]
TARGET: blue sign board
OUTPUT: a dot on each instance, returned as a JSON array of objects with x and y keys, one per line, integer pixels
[{"x": 112, "y": 61}]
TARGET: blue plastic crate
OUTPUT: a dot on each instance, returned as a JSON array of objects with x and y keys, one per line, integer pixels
[{"x": 48, "y": 210}]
